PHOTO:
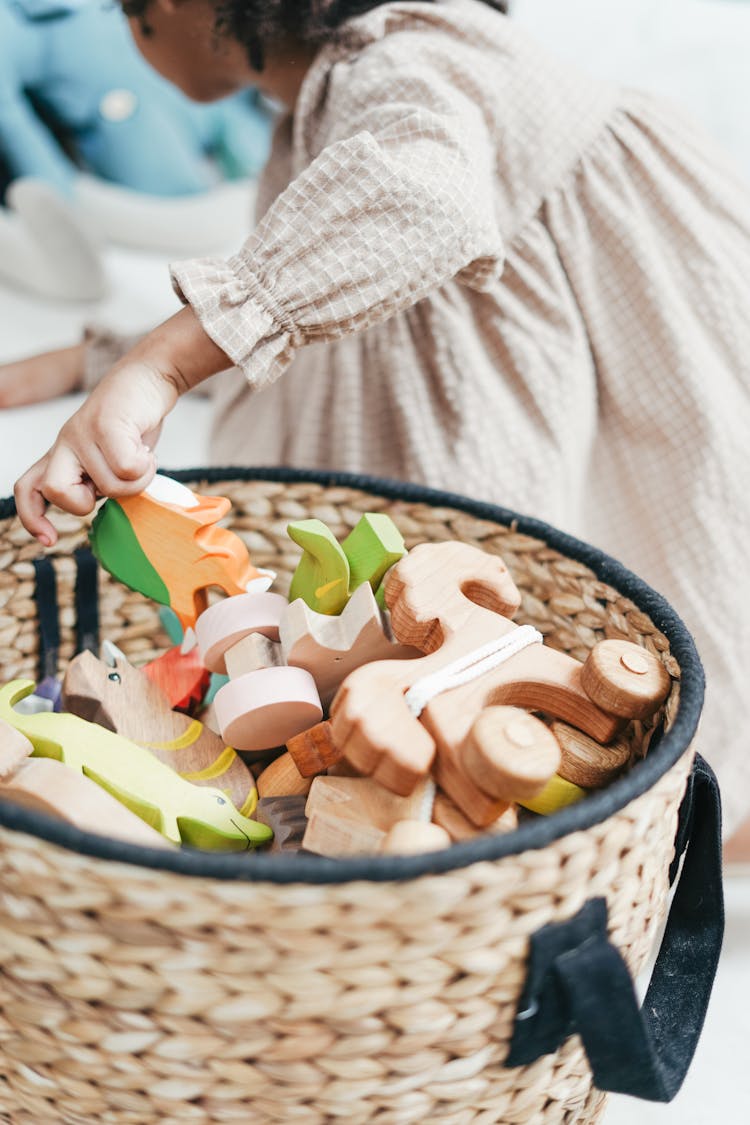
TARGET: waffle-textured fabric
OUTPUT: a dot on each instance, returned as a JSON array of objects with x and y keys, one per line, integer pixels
[{"x": 478, "y": 269}]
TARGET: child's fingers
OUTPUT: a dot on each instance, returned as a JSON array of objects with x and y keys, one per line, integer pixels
[
  {"x": 67, "y": 483},
  {"x": 127, "y": 458},
  {"x": 31, "y": 505}
]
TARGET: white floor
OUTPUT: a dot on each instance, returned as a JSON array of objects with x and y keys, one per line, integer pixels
[{"x": 695, "y": 50}]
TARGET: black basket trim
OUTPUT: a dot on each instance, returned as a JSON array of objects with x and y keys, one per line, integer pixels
[{"x": 531, "y": 835}]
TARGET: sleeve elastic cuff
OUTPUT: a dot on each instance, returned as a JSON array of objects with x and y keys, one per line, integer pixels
[{"x": 229, "y": 302}]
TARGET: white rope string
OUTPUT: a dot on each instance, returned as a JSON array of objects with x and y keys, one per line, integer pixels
[{"x": 470, "y": 667}]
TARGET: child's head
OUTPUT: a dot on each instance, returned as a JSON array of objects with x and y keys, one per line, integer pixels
[{"x": 210, "y": 48}]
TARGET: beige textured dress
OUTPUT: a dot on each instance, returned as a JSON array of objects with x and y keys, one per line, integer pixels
[{"x": 478, "y": 269}]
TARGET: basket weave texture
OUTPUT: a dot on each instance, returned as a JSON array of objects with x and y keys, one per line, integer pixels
[{"x": 135, "y": 995}]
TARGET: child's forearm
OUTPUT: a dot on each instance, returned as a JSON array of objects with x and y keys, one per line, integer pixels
[{"x": 181, "y": 351}]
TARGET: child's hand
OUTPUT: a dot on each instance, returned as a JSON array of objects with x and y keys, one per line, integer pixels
[
  {"x": 105, "y": 449},
  {"x": 41, "y": 377}
]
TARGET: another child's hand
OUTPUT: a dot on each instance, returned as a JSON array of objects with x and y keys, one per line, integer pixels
[
  {"x": 105, "y": 449},
  {"x": 41, "y": 377}
]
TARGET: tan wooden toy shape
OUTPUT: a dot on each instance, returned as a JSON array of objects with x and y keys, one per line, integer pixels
[
  {"x": 349, "y": 816},
  {"x": 449, "y": 600},
  {"x": 121, "y": 698},
  {"x": 265, "y": 703},
  {"x": 50, "y": 787}
]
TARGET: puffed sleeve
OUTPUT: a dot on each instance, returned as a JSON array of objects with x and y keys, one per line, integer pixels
[{"x": 398, "y": 201}]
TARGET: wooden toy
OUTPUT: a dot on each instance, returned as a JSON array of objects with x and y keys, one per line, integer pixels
[
  {"x": 352, "y": 815},
  {"x": 328, "y": 572},
  {"x": 314, "y": 751},
  {"x": 184, "y": 813},
  {"x": 261, "y": 706},
  {"x": 447, "y": 815},
  {"x": 47, "y": 786},
  {"x": 556, "y": 795},
  {"x": 510, "y": 754},
  {"x": 180, "y": 677},
  {"x": 587, "y": 763},
  {"x": 454, "y": 602},
  {"x": 332, "y": 647},
  {"x": 121, "y": 698},
  {"x": 282, "y": 779},
  {"x": 285, "y": 816},
  {"x": 409, "y": 837},
  {"x": 164, "y": 542}
]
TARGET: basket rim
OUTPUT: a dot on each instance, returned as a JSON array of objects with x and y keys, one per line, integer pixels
[{"x": 532, "y": 835}]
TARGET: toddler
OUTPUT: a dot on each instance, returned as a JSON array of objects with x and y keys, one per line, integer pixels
[{"x": 474, "y": 268}]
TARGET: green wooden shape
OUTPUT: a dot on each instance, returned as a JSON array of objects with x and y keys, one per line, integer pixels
[
  {"x": 372, "y": 548},
  {"x": 131, "y": 773},
  {"x": 198, "y": 834},
  {"x": 322, "y": 575},
  {"x": 117, "y": 548}
]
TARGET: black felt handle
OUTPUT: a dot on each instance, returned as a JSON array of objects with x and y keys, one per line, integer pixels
[{"x": 578, "y": 983}]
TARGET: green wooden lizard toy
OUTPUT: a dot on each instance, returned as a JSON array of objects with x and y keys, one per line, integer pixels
[{"x": 198, "y": 816}]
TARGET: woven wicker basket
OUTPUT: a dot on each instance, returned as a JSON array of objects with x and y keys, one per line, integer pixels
[{"x": 140, "y": 987}]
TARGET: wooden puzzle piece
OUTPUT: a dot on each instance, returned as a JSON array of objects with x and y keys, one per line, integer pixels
[
  {"x": 353, "y": 815},
  {"x": 184, "y": 813},
  {"x": 557, "y": 794},
  {"x": 121, "y": 698},
  {"x": 165, "y": 543},
  {"x": 49, "y": 787},
  {"x": 285, "y": 816},
  {"x": 330, "y": 648},
  {"x": 329, "y": 573},
  {"x": 450, "y": 600}
]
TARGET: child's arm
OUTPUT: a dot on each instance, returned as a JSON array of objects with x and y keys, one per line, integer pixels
[
  {"x": 106, "y": 448},
  {"x": 41, "y": 377}
]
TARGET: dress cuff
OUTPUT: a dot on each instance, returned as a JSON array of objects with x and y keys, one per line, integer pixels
[{"x": 238, "y": 314}]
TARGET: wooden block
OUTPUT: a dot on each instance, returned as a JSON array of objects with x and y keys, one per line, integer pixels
[
  {"x": 339, "y": 836},
  {"x": 587, "y": 763},
  {"x": 410, "y": 837},
  {"x": 252, "y": 653},
  {"x": 556, "y": 795},
  {"x": 332, "y": 647},
  {"x": 314, "y": 751},
  {"x": 510, "y": 754},
  {"x": 266, "y": 708},
  {"x": 224, "y": 624},
  {"x": 285, "y": 816},
  {"x": 15, "y": 748},
  {"x": 184, "y": 813},
  {"x": 121, "y": 698},
  {"x": 165, "y": 542},
  {"x": 282, "y": 779},
  {"x": 448, "y": 815},
  {"x": 322, "y": 575},
  {"x": 625, "y": 679},
  {"x": 362, "y": 799}
]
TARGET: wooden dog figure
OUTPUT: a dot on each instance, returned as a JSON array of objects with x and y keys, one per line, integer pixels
[
  {"x": 454, "y": 603},
  {"x": 165, "y": 544},
  {"x": 117, "y": 696},
  {"x": 184, "y": 813}
]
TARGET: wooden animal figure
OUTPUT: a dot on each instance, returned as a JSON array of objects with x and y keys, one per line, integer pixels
[
  {"x": 181, "y": 677},
  {"x": 164, "y": 542},
  {"x": 332, "y": 647},
  {"x": 264, "y": 704},
  {"x": 184, "y": 813},
  {"x": 117, "y": 696},
  {"x": 328, "y": 572},
  {"x": 47, "y": 786},
  {"x": 454, "y": 603},
  {"x": 286, "y": 817}
]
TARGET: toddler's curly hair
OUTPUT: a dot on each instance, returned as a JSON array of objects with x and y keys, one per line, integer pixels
[{"x": 257, "y": 24}]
